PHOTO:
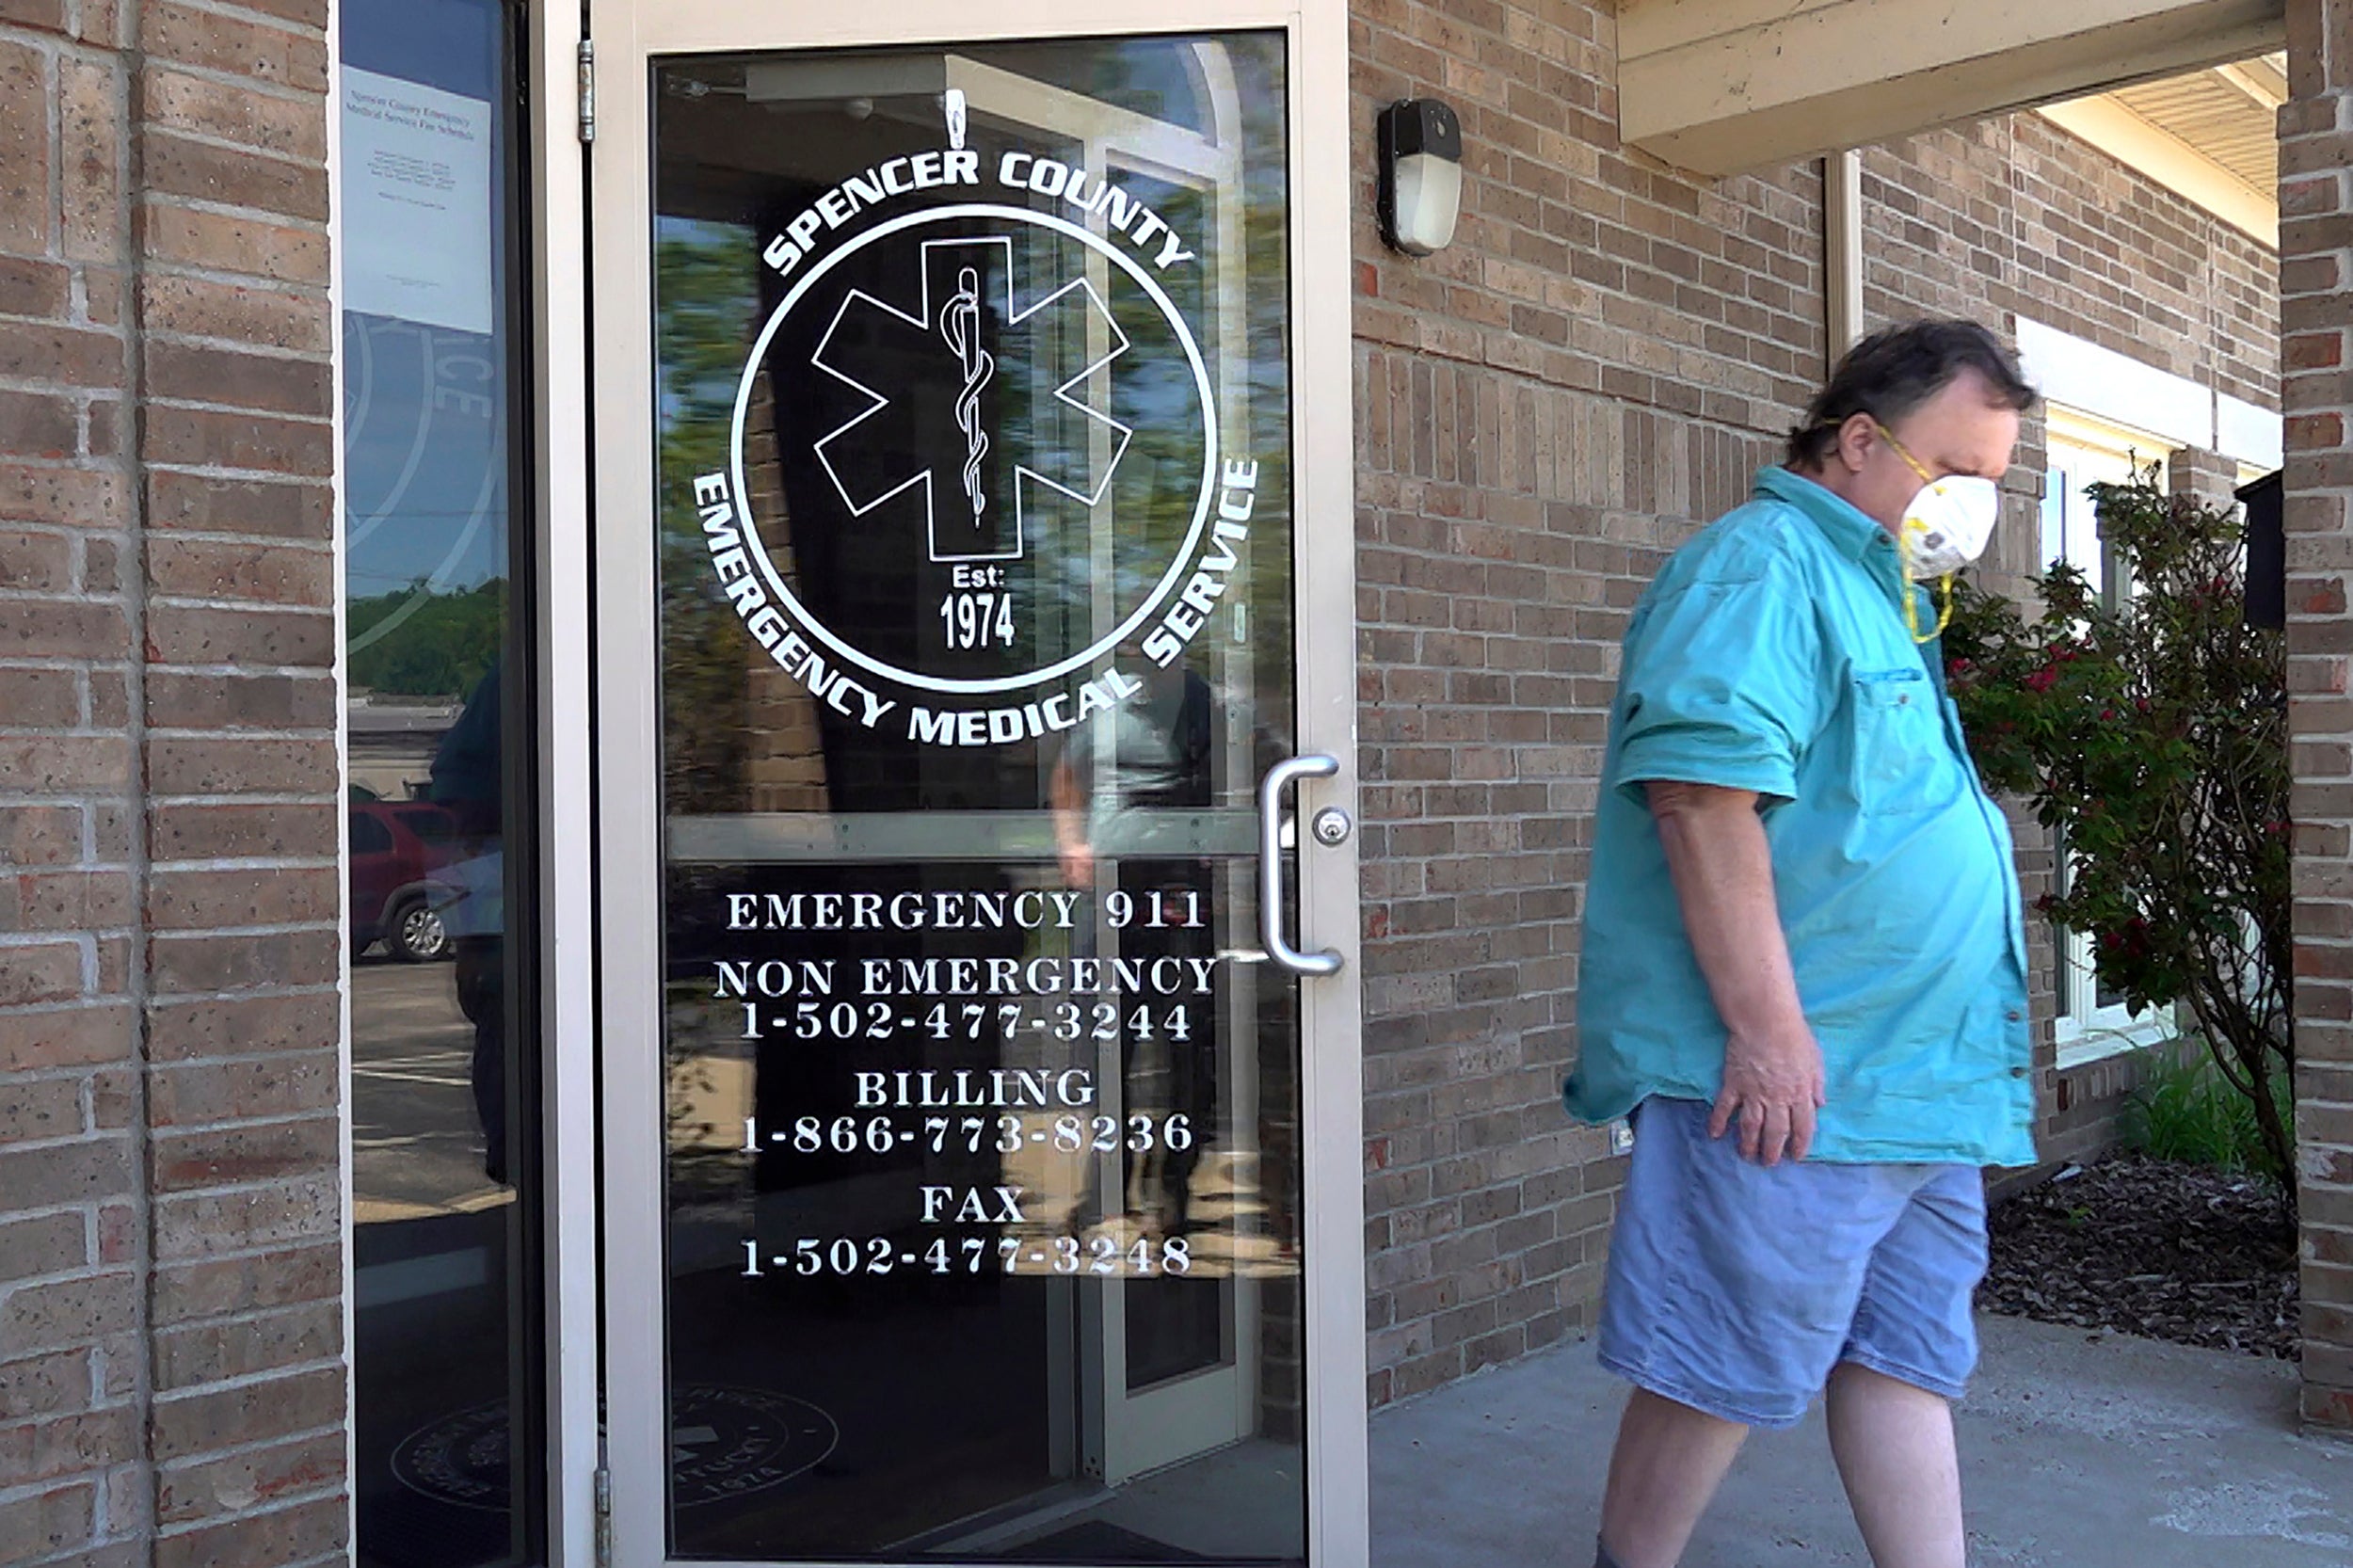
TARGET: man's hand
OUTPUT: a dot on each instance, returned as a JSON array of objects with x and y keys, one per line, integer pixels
[
  {"x": 1723, "y": 870},
  {"x": 1772, "y": 1087}
]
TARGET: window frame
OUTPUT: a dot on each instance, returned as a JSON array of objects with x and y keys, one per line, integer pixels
[{"x": 2084, "y": 1030}]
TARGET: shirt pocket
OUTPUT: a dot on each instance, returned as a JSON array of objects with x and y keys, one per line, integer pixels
[{"x": 1900, "y": 754}]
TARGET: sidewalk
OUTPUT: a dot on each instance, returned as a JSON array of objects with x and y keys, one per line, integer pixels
[{"x": 2077, "y": 1451}]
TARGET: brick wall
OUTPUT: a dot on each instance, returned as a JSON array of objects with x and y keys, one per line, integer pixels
[
  {"x": 2316, "y": 311},
  {"x": 170, "y": 1276},
  {"x": 1592, "y": 370}
]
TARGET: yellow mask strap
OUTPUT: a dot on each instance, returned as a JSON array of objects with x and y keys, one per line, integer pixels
[
  {"x": 1944, "y": 613},
  {"x": 1911, "y": 599}
]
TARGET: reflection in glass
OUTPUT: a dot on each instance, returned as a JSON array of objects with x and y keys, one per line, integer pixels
[
  {"x": 443, "y": 1169},
  {"x": 974, "y": 523}
]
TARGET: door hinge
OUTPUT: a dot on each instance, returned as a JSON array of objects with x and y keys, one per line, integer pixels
[
  {"x": 604, "y": 1506},
  {"x": 587, "y": 90}
]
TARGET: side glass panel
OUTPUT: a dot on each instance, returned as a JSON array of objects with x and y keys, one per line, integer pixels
[
  {"x": 974, "y": 523},
  {"x": 444, "y": 1191}
]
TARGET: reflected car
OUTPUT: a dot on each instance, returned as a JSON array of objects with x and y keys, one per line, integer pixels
[{"x": 397, "y": 846}]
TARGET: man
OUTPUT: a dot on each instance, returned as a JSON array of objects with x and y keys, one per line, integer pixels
[{"x": 1805, "y": 966}]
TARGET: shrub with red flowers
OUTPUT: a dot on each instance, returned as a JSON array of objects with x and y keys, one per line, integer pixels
[{"x": 2151, "y": 731}]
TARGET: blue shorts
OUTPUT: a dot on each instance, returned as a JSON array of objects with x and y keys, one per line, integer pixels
[{"x": 1735, "y": 1289}]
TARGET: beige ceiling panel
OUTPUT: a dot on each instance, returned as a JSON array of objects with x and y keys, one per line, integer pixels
[{"x": 1720, "y": 85}]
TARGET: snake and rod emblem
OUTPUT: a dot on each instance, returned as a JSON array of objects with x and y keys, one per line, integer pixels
[{"x": 960, "y": 324}]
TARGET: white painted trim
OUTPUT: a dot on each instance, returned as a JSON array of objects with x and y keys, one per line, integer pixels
[
  {"x": 2256, "y": 436},
  {"x": 2115, "y": 387},
  {"x": 2166, "y": 158},
  {"x": 2107, "y": 388},
  {"x": 566, "y": 868},
  {"x": 2080, "y": 1044},
  {"x": 1842, "y": 248}
]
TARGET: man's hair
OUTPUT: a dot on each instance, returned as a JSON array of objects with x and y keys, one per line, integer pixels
[{"x": 1896, "y": 369}]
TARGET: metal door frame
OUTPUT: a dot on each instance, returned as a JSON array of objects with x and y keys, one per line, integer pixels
[{"x": 604, "y": 784}]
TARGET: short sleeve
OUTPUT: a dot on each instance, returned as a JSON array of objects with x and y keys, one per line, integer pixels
[{"x": 1722, "y": 686}]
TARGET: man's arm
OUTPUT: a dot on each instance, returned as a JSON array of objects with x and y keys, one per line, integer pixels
[{"x": 1723, "y": 879}]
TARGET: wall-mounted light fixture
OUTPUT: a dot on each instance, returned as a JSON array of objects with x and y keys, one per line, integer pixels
[{"x": 1422, "y": 174}]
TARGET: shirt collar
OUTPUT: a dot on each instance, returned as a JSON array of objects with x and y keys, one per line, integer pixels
[{"x": 1839, "y": 521}]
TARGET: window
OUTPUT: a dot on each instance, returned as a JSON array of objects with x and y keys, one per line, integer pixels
[
  {"x": 369, "y": 836},
  {"x": 445, "y": 1206},
  {"x": 2093, "y": 1019}
]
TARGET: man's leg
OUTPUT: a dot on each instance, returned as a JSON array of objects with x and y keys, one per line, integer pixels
[
  {"x": 1893, "y": 1444},
  {"x": 1668, "y": 1460}
]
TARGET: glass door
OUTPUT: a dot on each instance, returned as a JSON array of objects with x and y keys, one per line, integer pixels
[{"x": 965, "y": 1093}]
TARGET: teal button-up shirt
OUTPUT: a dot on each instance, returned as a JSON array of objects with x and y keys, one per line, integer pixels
[{"x": 1771, "y": 655}]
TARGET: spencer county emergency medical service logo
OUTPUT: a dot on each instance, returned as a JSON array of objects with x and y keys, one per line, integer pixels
[
  {"x": 974, "y": 462},
  {"x": 725, "y": 1442}
]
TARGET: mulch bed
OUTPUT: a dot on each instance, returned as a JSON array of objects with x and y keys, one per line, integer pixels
[{"x": 2149, "y": 1247}]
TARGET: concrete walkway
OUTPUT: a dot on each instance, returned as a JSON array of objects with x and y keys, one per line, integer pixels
[{"x": 2079, "y": 1450}]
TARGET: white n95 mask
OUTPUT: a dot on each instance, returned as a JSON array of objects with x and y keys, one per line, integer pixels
[{"x": 1948, "y": 526}]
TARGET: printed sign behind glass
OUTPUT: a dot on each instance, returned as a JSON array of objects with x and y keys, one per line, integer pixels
[
  {"x": 445, "y": 1172},
  {"x": 974, "y": 532}
]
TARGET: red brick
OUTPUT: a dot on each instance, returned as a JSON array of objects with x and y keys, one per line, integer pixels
[
  {"x": 224, "y": 1488},
  {"x": 66, "y": 1312},
  {"x": 202, "y": 900},
  {"x": 33, "y": 288},
  {"x": 35, "y": 563},
  {"x": 207, "y": 437},
  {"x": 46, "y": 15},
  {"x": 36, "y": 835},
  {"x": 288, "y": 1212},
  {"x": 82, "y": 1172},
  {"x": 67, "y": 1444},
  {"x": 201, "y": 504},
  {"x": 273, "y": 574},
  {"x": 66, "y": 900},
  {"x": 213, "y": 41},
  {"x": 63, "y": 1037},
  {"x": 25, "y": 151},
  {"x": 193, "y": 765},
  {"x": 245, "y": 1026},
  {"x": 282, "y": 1085},
  {"x": 211, "y": 963},
  {"x": 235, "y": 177},
  {"x": 192, "y": 374},
  {"x": 55, "y": 1521},
  {"x": 44, "y": 1244},
  {"x": 252, "y": 1153},
  {"x": 202, "y": 308},
  {"x": 177, "y": 700},
  {"x": 40, "y": 972},
  {"x": 46, "y": 351},
  {"x": 218, "y": 1287},
  {"x": 38, "y": 696},
  {"x": 66, "y": 497},
  {"x": 40, "y": 1108},
  {"x": 91, "y": 111},
  {"x": 38, "y": 425},
  {"x": 296, "y": 1534},
  {"x": 210, "y": 832},
  {"x": 236, "y": 241},
  {"x": 206, "y": 635},
  {"x": 64, "y": 629},
  {"x": 290, "y": 127}
]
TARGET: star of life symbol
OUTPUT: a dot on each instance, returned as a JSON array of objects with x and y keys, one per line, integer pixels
[{"x": 1053, "y": 434}]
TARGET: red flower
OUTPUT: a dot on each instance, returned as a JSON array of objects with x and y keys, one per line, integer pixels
[{"x": 2043, "y": 679}]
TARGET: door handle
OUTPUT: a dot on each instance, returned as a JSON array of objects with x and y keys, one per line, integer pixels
[{"x": 1278, "y": 778}]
